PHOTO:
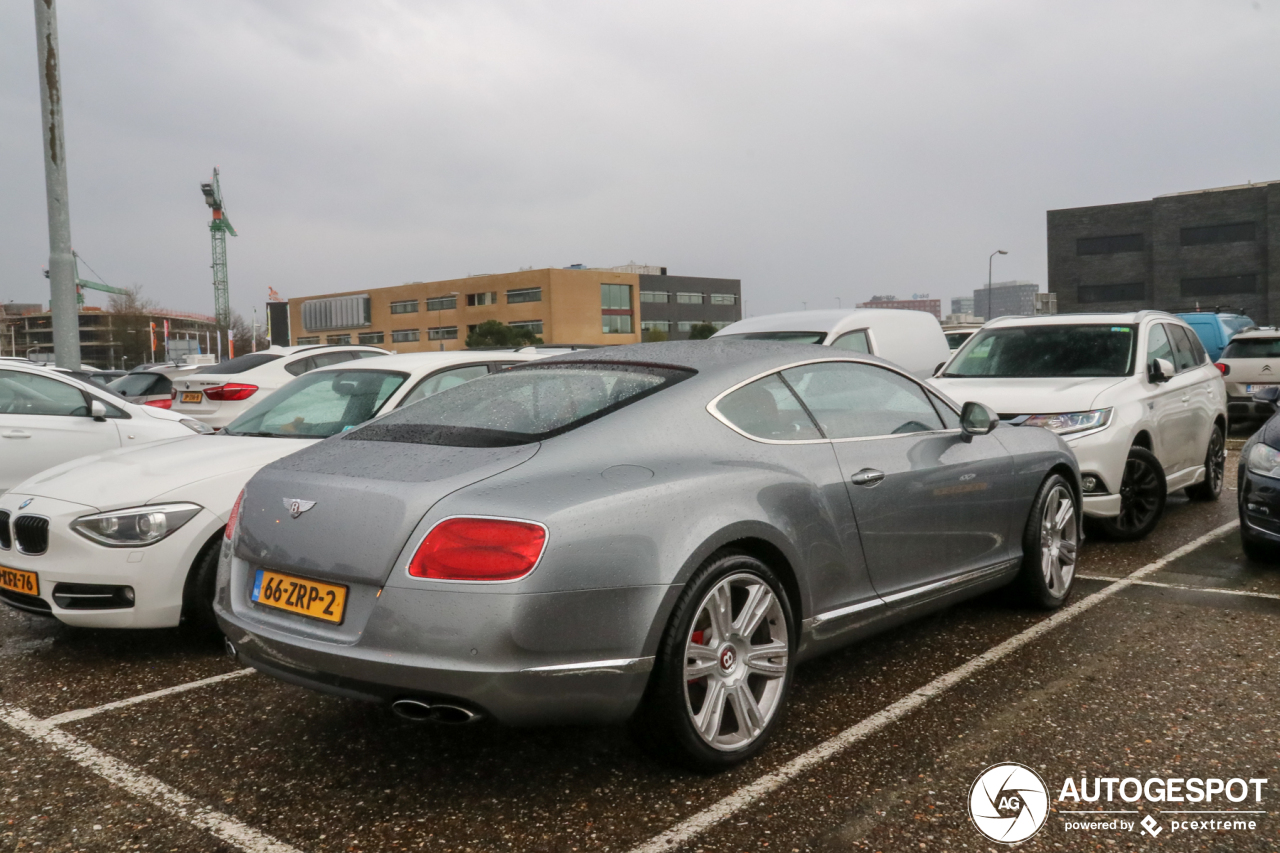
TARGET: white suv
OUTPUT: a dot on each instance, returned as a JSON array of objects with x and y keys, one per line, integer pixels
[
  {"x": 1250, "y": 362},
  {"x": 220, "y": 393},
  {"x": 1134, "y": 395}
]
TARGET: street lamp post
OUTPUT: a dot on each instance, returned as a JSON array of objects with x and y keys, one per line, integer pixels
[
  {"x": 440, "y": 314},
  {"x": 991, "y": 258}
]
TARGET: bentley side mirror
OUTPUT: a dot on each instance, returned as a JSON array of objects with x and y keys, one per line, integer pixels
[
  {"x": 977, "y": 419},
  {"x": 1269, "y": 394},
  {"x": 97, "y": 410},
  {"x": 1160, "y": 370}
]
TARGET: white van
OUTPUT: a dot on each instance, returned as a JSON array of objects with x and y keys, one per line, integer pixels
[{"x": 911, "y": 339}]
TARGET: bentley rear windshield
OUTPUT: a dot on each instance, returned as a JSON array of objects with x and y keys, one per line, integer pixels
[{"x": 522, "y": 405}]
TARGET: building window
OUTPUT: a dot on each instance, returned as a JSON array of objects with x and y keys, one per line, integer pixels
[
  {"x": 404, "y": 336},
  {"x": 442, "y": 303},
  {"x": 336, "y": 312},
  {"x": 720, "y": 324},
  {"x": 689, "y": 298},
  {"x": 654, "y": 296},
  {"x": 724, "y": 299},
  {"x": 617, "y": 324},
  {"x": 476, "y": 299},
  {"x": 1127, "y": 292},
  {"x": 1110, "y": 245},
  {"x": 372, "y": 337},
  {"x": 471, "y": 328},
  {"x": 655, "y": 325},
  {"x": 440, "y": 333},
  {"x": 1220, "y": 285},
  {"x": 408, "y": 306},
  {"x": 524, "y": 294},
  {"x": 311, "y": 339},
  {"x": 338, "y": 339},
  {"x": 534, "y": 326},
  {"x": 1203, "y": 235},
  {"x": 615, "y": 296}
]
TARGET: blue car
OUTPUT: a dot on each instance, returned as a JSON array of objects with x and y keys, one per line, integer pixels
[{"x": 1215, "y": 330}]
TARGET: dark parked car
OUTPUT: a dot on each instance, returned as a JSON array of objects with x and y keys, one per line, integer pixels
[
  {"x": 658, "y": 531},
  {"x": 1258, "y": 486}
]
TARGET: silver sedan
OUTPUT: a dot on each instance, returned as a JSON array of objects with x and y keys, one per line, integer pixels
[{"x": 658, "y": 532}]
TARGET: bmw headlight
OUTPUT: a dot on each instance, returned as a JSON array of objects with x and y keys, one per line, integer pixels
[
  {"x": 1071, "y": 422},
  {"x": 1264, "y": 460},
  {"x": 197, "y": 426},
  {"x": 131, "y": 528}
]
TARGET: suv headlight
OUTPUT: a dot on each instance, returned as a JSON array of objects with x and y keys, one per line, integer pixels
[
  {"x": 130, "y": 528},
  {"x": 1264, "y": 460},
  {"x": 1071, "y": 422}
]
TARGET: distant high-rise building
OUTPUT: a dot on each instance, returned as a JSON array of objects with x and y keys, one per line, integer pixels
[
  {"x": 962, "y": 305},
  {"x": 917, "y": 302},
  {"x": 1005, "y": 298}
]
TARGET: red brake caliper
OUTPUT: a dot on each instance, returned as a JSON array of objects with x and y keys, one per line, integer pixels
[{"x": 697, "y": 638}]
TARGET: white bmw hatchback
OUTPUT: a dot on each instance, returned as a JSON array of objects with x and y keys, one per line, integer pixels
[
  {"x": 1134, "y": 396},
  {"x": 47, "y": 418},
  {"x": 130, "y": 539},
  {"x": 220, "y": 393}
]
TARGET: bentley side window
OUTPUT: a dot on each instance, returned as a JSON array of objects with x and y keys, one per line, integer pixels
[
  {"x": 767, "y": 409},
  {"x": 852, "y": 400}
]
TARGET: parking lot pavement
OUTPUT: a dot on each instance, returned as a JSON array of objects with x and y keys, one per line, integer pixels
[{"x": 1148, "y": 679}]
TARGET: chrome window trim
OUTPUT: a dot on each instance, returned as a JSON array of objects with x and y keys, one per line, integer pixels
[
  {"x": 713, "y": 406},
  {"x": 840, "y": 612},
  {"x": 546, "y": 537},
  {"x": 975, "y": 575}
]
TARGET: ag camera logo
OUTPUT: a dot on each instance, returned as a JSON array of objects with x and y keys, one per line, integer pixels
[{"x": 1008, "y": 802}]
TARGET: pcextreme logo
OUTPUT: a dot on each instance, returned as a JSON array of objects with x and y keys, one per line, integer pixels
[{"x": 1008, "y": 802}]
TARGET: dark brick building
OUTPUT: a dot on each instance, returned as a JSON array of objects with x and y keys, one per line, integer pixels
[
  {"x": 1175, "y": 252},
  {"x": 676, "y": 303}
]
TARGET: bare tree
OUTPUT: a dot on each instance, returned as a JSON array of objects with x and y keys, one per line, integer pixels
[{"x": 132, "y": 302}]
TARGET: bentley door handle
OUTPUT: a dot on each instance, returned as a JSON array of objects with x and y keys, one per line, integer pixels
[
  {"x": 867, "y": 477},
  {"x": 16, "y": 433}
]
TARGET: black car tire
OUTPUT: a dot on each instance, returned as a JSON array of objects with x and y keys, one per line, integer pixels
[
  {"x": 1215, "y": 469},
  {"x": 1047, "y": 545},
  {"x": 198, "y": 591},
  {"x": 663, "y": 725},
  {"x": 1143, "y": 493}
]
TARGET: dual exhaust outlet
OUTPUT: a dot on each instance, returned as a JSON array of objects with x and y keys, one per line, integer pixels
[{"x": 421, "y": 711}]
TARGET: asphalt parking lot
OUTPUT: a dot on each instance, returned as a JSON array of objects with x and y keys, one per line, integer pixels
[{"x": 1162, "y": 665}]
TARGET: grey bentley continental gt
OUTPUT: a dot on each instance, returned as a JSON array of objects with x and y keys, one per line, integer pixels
[{"x": 657, "y": 532}]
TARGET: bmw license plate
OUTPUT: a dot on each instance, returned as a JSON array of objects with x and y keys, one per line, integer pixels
[
  {"x": 192, "y": 396},
  {"x": 16, "y": 580},
  {"x": 318, "y": 600}
]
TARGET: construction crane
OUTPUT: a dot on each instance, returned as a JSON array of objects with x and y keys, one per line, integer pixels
[
  {"x": 82, "y": 283},
  {"x": 219, "y": 227}
]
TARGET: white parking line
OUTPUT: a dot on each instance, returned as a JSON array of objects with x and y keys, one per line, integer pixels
[
  {"x": 1187, "y": 587},
  {"x": 144, "y": 787},
  {"x": 747, "y": 795},
  {"x": 72, "y": 716}
]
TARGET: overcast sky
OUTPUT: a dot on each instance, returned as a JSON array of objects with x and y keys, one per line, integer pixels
[{"x": 814, "y": 150}]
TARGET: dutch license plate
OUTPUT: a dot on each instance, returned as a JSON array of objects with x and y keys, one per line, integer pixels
[
  {"x": 298, "y": 595},
  {"x": 16, "y": 580},
  {"x": 192, "y": 396}
]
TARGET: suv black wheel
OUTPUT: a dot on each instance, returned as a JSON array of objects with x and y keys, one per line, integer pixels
[
  {"x": 1215, "y": 466},
  {"x": 1142, "y": 495}
]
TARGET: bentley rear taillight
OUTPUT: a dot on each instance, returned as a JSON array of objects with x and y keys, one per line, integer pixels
[
  {"x": 479, "y": 549},
  {"x": 230, "y": 392}
]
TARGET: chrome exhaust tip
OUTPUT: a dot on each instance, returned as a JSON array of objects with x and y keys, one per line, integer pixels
[
  {"x": 420, "y": 711},
  {"x": 230, "y": 648}
]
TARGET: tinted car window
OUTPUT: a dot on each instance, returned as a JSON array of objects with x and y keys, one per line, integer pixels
[
  {"x": 301, "y": 366},
  {"x": 767, "y": 409},
  {"x": 138, "y": 384},
  {"x": 955, "y": 339},
  {"x": 792, "y": 337},
  {"x": 862, "y": 400},
  {"x": 241, "y": 363},
  {"x": 30, "y": 394},
  {"x": 1158, "y": 345},
  {"x": 1183, "y": 351},
  {"x": 319, "y": 405},
  {"x": 1253, "y": 348},
  {"x": 444, "y": 380},
  {"x": 324, "y": 359},
  {"x": 1047, "y": 351},
  {"x": 522, "y": 405},
  {"x": 853, "y": 342},
  {"x": 950, "y": 419}
]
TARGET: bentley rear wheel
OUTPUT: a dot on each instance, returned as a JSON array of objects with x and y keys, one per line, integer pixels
[{"x": 724, "y": 667}]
